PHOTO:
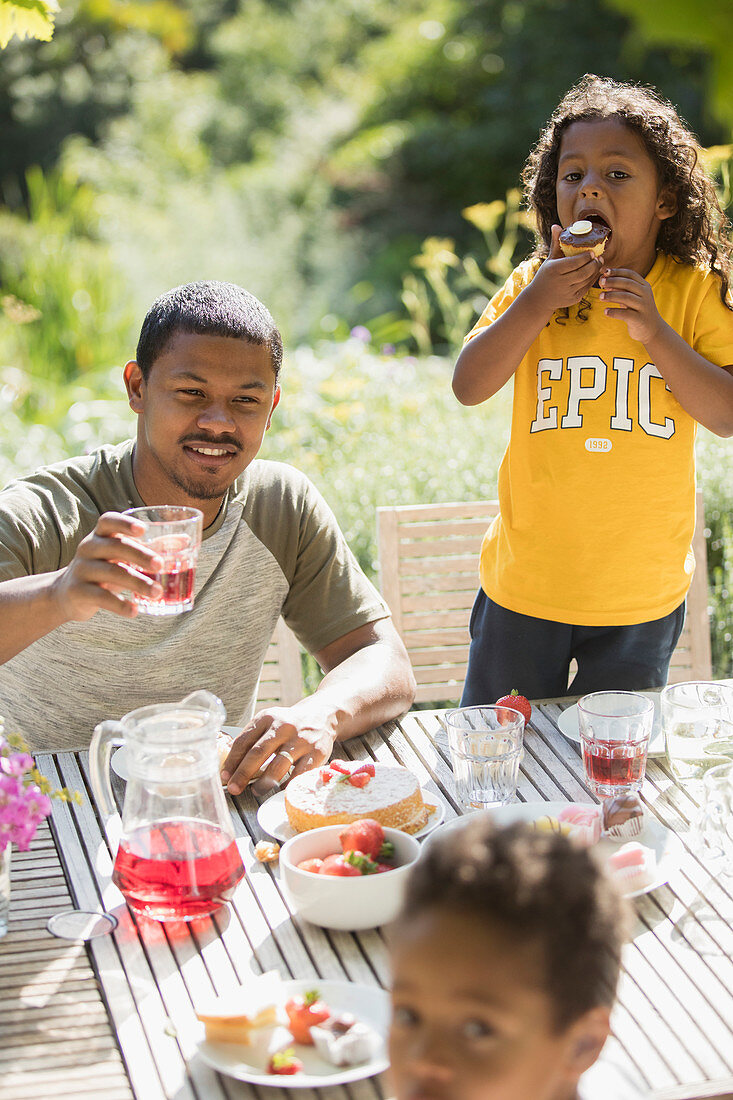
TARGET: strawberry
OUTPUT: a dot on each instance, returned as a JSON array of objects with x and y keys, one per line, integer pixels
[
  {"x": 366, "y": 836},
  {"x": 516, "y": 702},
  {"x": 313, "y": 865},
  {"x": 326, "y": 774},
  {"x": 339, "y": 865},
  {"x": 284, "y": 1063},
  {"x": 358, "y": 859},
  {"x": 358, "y": 779},
  {"x": 304, "y": 1011},
  {"x": 368, "y": 768},
  {"x": 340, "y": 766},
  {"x": 382, "y": 867}
]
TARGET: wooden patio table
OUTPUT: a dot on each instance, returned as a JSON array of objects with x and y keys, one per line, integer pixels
[{"x": 115, "y": 1019}]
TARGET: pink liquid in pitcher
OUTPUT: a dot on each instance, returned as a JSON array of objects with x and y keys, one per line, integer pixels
[{"x": 177, "y": 870}]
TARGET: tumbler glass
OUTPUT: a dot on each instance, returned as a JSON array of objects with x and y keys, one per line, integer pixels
[
  {"x": 486, "y": 749},
  {"x": 615, "y": 727}
]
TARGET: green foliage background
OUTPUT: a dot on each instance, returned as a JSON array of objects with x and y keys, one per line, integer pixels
[{"x": 351, "y": 163}]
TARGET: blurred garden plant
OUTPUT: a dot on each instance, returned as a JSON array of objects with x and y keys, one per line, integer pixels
[
  {"x": 446, "y": 292},
  {"x": 56, "y": 271},
  {"x": 27, "y": 19}
]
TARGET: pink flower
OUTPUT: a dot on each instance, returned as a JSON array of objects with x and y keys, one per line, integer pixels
[
  {"x": 24, "y": 836},
  {"x": 23, "y": 805},
  {"x": 17, "y": 763},
  {"x": 10, "y": 787},
  {"x": 38, "y": 803}
]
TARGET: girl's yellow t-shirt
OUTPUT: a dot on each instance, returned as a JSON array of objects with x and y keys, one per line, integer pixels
[{"x": 597, "y": 484}]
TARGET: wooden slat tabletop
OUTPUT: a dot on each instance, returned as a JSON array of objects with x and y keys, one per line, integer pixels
[{"x": 131, "y": 1030}]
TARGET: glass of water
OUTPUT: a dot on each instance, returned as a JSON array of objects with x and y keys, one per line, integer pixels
[
  {"x": 697, "y": 719},
  {"x": 486, "y": 750},
  {"x": 712, "y": 831}
]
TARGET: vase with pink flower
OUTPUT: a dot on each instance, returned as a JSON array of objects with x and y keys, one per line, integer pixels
[{"x": 25, "y": 801}]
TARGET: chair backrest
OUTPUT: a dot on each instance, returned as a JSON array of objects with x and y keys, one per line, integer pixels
[
  {"x": 428, "y": 566},
  {"x": 281, "y": 680},
  {"x": 692, "y": 658}
]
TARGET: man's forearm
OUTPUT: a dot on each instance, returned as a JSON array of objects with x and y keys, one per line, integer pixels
[
  {"x": 368, "y": 688},
  {"x": 28, "y": 611}
]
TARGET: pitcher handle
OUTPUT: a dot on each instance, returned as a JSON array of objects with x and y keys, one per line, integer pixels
[{"x": 106, "y": 735}]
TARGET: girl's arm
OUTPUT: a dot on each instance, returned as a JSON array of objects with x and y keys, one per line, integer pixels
[
  {"x": 703, "y": 389},
  {"x": 490, "y": 358}
]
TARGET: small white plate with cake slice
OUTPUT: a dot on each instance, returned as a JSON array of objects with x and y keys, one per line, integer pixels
[
  {"x": 393, "y": 796},
  {"x": 249, "y": 1061},
  {"x": 665, "y": 846}
]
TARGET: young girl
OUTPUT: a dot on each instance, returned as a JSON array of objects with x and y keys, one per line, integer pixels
[
  {"x": 505, "y": 961},
  {"x": 615, "y": 361}
]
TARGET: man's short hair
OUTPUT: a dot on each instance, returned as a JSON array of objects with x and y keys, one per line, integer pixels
[
  {"x": 207, "y": 309},
  {"x": 538, "y": 887}
]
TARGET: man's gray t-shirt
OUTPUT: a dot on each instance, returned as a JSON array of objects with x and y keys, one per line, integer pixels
[{"x": 275, "y": 548}]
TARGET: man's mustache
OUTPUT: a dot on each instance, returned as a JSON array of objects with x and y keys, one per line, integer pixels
[{"x": 212, "y": 441}]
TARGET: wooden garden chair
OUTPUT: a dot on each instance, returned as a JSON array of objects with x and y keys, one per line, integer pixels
[
  {"x": 281, "y": 680},
  {"x": 428, "y": 566}
]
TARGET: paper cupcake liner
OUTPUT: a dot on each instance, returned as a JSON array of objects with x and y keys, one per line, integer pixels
[{"x": 626, "y": 830}]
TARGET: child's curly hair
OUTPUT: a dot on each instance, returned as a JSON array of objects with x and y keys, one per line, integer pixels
[
  {"x": 537, "y": 886},
  {"x": 698, "y": 232}
]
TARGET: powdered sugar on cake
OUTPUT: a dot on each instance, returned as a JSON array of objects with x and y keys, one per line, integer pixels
[{"x": 392, "y": 796}]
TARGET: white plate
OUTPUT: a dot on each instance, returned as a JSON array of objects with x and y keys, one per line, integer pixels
[
  {"x": 662, "y": 841},
  {"x": 368, "y": 1004},
  {"x": 273, "y": 817},
  {"x": 567, "y": 723},
  {"x": 119, "y": 758}
]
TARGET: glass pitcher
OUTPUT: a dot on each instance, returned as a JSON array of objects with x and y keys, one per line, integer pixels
[{"x": 177, "y": 857}]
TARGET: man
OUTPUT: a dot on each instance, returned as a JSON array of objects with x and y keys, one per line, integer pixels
[{"x": 73, "y": 648}]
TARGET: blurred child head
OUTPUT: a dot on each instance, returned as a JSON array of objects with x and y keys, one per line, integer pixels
[
  {"x": 505, "y": 962},
  {"x": 696, "y": 232}
]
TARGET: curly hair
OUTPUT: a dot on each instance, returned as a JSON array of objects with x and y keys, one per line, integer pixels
[
  {"x": 537, "y": 886},
  {"x": 698, "y": 232}
]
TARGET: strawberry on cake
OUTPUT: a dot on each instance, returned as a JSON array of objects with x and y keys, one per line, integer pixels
[{"x": 344, "y": 791}]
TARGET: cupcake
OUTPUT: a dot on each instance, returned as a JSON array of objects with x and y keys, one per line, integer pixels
[
  {"x": 549, "y": 824},
  {"x": 623, "y": 816},
  {"x": 584, "y": 236},
  {"x": 633, "y": 867},
  {"x": 344, "y": 1041},
  {"x": 584, "y": 823}
]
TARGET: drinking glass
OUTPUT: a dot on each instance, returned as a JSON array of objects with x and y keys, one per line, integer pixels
[
  {"x": 174, "y": 533},
  {"x": 697, "y": 720},
  {"x": 707, "y": 924},
  {"x": 712, "y": 830},
  {"x": 615, "y": 727},
  {"x": 486, "y": 750}
]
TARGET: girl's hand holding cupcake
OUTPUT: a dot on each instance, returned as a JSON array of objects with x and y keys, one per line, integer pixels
[
  {"x": 563, "y": 280},
  {"x": 627, "y": 296}
]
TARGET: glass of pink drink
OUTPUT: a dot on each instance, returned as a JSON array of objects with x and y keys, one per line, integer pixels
[
  {"x": 174, "y": 533},
  {"x": 615, "y": 727}
]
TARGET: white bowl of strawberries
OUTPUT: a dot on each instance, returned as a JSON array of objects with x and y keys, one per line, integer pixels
[{"x": 347, "y": 877}]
